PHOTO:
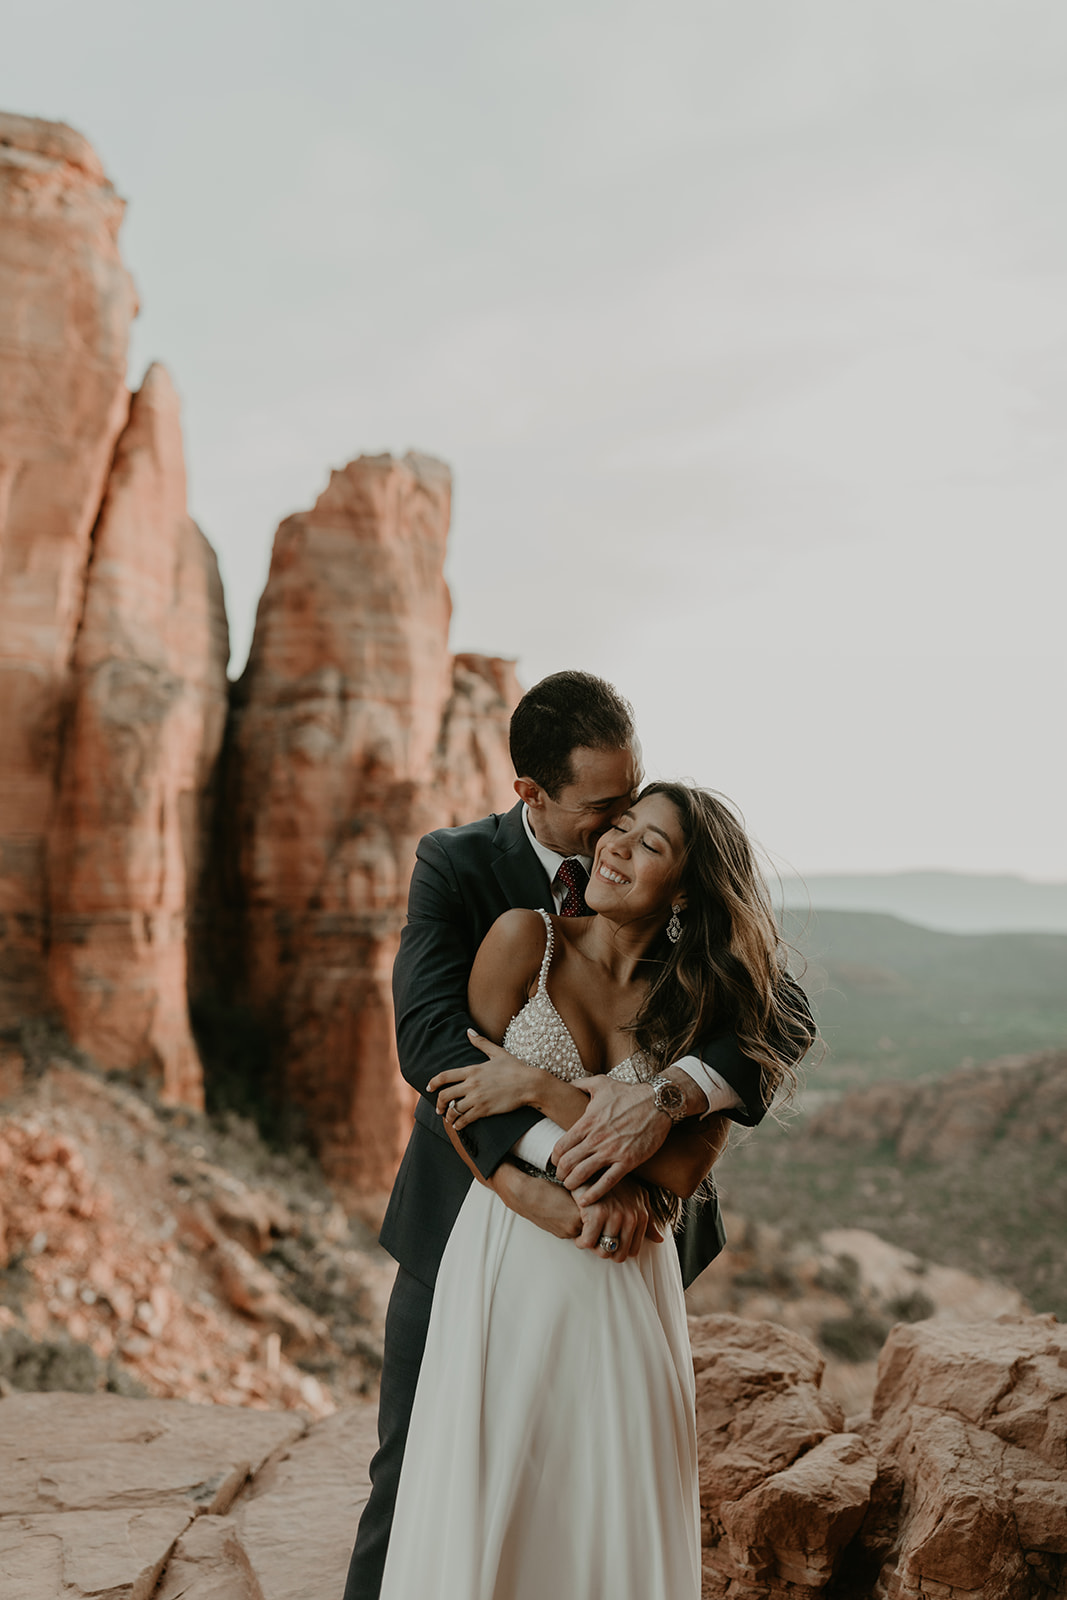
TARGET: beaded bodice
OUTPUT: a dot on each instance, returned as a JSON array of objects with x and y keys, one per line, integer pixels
[{"x": 538, "y": 1034}]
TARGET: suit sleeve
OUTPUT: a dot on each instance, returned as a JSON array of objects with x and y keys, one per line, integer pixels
[
  {"x": 437, "y": 950},
  {"x": 722, "y": 1052}
]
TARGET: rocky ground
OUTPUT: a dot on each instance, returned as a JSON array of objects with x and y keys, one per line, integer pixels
[
  {"x": 967, "y": 1169},
  {"x": 153, "y": 1257},
  {"x": 954, "y": 1486},
  {"x": 149, "y": 1251},
  {"x": 843, "y": 1290}
]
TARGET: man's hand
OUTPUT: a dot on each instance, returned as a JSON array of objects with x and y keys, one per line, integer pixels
[
  {"x": 620, "y": 1130},
  {"x": 623, "y": 1214}
]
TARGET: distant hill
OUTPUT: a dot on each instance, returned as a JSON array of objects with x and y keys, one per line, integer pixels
[
  {"x": 967, "y": 1170},
  {"x": 954, "y": 902},
  {"x": 901, "y": 1001}
]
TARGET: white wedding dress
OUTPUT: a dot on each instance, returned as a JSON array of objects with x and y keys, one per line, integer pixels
[{"x": 552, "y": 1449}]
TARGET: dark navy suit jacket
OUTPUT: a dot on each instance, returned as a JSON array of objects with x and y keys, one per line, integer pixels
[{"x": 464, "y": 879}]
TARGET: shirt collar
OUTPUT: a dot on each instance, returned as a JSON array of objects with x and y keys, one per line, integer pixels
[{"x": 550, "y": 859}]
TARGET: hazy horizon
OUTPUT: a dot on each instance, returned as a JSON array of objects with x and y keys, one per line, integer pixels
[{"x": 740, "y": 327}]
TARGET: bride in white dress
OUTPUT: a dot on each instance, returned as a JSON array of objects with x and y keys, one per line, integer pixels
[{"x": 552, "y": 1447}]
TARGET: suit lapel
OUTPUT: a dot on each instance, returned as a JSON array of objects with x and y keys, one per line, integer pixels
[{"x": 517, "y": 870}]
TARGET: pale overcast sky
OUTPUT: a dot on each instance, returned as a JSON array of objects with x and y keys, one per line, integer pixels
[{"x": 743, "y": 327}]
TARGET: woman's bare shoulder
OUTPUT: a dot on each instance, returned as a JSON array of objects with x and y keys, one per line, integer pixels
[{"x": 518, "y": 935}]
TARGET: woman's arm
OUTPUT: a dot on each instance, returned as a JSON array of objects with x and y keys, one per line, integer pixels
[
  {"x": 549, "y": 1205},
  {"x": 691, "y": 1150},
  {"x": 503, "y": 977},
  {"x": 503, "y": 1083}
]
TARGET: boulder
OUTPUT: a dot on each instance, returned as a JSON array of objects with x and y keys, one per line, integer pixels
[
  {"x": 970, "y": 1420},
  {"x": 147, "y": 707},
  {"x": 790, "y": 1529},
  {"x": 782, "y": 1489},
  {"x": 66, "y": 304}
]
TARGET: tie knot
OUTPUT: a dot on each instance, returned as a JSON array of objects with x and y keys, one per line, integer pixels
[{"x": 573, "y": 876}]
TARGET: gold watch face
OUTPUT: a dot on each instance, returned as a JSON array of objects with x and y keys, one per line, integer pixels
[{"x": 669, "y": 1098}]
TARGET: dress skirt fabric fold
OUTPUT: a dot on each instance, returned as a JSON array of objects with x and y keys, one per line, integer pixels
[{"x": 552, "y": 1448}]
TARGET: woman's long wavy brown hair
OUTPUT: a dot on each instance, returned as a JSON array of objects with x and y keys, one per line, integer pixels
[{"x": 727, "y": 972}]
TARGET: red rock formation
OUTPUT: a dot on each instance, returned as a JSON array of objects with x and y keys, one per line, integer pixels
[
  {"x": 474, "y": 774},
  {"x": 955, "y": 1486},
  {"x": 354, "y": 730},
  {"x": 66, "y": 303},
  {"x": 147, "y": 710},
  {"x": 782, "y": 1488},
  {"x": 1022, "y": 1099},
  {"x": 352, "y": 734},
  {"x": 970, "y": 1422}
]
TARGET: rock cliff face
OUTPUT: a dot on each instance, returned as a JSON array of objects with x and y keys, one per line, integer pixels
[
  {"x": 352, "y": 734},
  {"x": 147, "y": 707},
  {"x": 66, "y": 304},
  {"x": 352, "y": 731}
]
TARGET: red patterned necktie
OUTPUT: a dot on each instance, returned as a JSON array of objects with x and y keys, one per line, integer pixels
[{"x": 573, "y": 876}]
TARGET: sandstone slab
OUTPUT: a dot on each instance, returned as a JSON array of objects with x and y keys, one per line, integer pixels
[
  {"x": 88, "y": 1554},
  {"x": 298, "y": 1519},
  {"x": 925, "y": 1505},
  {"x": 66, "y": 1452}
]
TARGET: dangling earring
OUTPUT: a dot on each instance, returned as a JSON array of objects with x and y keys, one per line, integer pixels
[{"x": 674, "y": 926}]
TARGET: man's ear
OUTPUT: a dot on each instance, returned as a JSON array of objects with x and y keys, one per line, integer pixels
[{"x": 530, "y": 792}]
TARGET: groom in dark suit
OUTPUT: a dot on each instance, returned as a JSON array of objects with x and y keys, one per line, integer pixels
[{"x": 575, "y": 751}]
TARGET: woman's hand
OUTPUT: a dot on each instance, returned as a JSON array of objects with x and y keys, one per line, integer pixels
[{"x": 486, "y": 1088}]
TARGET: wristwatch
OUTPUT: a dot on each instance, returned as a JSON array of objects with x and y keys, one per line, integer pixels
[{"x": 668, "y": 1097}]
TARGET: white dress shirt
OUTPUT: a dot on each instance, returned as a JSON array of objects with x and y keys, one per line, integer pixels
[{"x": 536, "y": 1146}]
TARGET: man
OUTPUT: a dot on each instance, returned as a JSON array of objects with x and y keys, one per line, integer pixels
[{"x": 577, "y": 763}]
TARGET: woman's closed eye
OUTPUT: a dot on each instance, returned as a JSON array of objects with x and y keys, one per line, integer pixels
[{"x": 618, "y": 827}]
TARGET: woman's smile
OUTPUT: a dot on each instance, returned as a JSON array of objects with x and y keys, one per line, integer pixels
[{"x": 604, "y": 871}]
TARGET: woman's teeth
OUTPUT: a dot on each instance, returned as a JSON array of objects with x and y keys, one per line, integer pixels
[{"x": 612, "y": 877}]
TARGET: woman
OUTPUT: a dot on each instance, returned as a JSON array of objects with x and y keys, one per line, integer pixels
[{"x": 552, "y": 1448}]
